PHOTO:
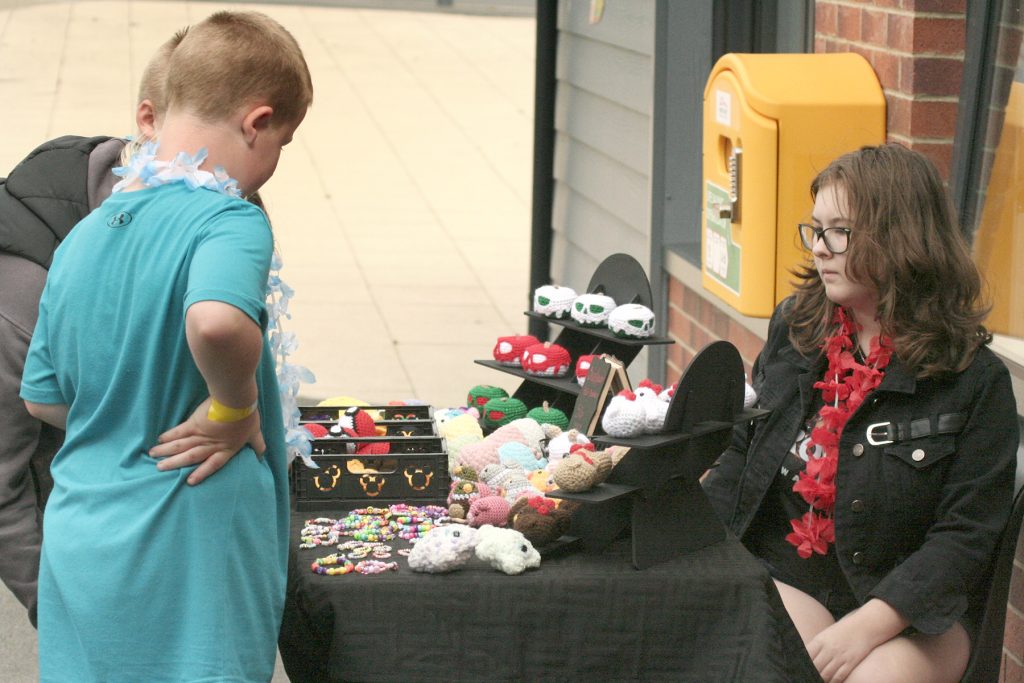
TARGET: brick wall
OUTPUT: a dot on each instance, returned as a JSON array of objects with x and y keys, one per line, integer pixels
[
  {"x": 694, "y": 322},
  {"x": 916, "y": 48}
]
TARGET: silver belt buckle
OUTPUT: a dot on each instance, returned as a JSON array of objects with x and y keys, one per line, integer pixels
[{"x": 876, "y": 441}]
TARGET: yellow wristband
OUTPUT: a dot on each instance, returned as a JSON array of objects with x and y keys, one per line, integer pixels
[{"x": 219, "y": 412}]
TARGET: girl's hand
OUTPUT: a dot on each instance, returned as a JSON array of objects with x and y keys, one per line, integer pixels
[
  {"x": 838, "y": 650},
  {"x": 199, "y": 440},
  {"x": 841, "y": 647}
]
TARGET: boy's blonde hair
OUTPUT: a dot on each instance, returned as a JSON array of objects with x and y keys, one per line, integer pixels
[
  {"x": 234, "y": 59},
  {"x": 153, "y": 84},
  {"x": 152, "y": 87}
]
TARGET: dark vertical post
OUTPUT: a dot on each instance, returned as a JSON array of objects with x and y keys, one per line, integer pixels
[{"x": 543, "y": 153}]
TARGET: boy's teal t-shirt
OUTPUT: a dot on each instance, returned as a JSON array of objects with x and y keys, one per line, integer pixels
[{"x": 138, "y": 568}]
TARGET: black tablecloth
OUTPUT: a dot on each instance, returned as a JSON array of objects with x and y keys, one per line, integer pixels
[{"x": 711, "y": 615}]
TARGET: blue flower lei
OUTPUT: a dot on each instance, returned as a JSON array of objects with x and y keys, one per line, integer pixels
[{"x": 145, "y": 168}]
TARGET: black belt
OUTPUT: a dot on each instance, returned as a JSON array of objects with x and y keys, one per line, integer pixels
[{"x": 883, "y": 433}]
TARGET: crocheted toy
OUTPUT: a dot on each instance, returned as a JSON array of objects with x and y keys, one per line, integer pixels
[
  {"x": 647, "y": 389},
  {"x": 541, "y": 481},
  {"x": 582, "y": 470},
  {"x": 456, "y": 420},
  {"x": 491, "y": 510},
  {"x": 521, "y": 455},
  {"x": 506, "y": 549},
  {"x": 479, "y": 455},
  {"x": 547, "y": 359},
  {"x": 541, "y": 520},
  {"x": 583, "y": 367},
  {"x": 624, "y": 416},
  {"x": 591, "y": 310},
  {"x": 482, "y": 393},
  {"x": 667, "y": 393},
  {"x": 464, "y": 472},
  {"x": 634, "y": 321},
  {"x": 559, "y": 445},
  {"x": 443, "y": 549},
  {"x": 509, "y": 350},
  {"x": 508, "y": 481},
  {"x": 458, "y": 429},
  {"x": 634, "y": 413},
  {"x": 501, "y": 411},
  {"x": 545, "y": 414},
  {"x": 316, "y": 431},
  {"x": 553, "y": 301},
  {"x": 462, "y": 494},
  {"x": 356, "y": 422},
  {"x": 655, "y": 412}
]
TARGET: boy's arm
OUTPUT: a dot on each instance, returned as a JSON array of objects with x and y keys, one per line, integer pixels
[
  {"x": 226, "y": 345},
  {"x": 55, "y": 414}
]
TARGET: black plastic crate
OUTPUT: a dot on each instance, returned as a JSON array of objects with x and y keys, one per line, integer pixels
[
  {"x": 356, "y": 480},
  {"x": 386, "y": 413},
  {"x": 394, "y": 427}
]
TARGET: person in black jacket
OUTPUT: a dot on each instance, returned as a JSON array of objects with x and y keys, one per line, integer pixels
[
  {"x": 876, "y": 490},
  {"x": 41, "y": 200}
]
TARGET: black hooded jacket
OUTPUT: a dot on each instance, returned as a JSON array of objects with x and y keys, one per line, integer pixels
[{"x": 52, "y": 189}]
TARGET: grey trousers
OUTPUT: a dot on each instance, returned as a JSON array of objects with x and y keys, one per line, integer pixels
[{"x": 26, "y": 445}]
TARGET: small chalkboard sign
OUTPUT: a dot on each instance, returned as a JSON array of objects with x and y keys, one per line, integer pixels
[{"x": 606, "y": 377}]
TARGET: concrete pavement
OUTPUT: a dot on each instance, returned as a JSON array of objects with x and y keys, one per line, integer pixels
[{"x": 401, "y": 209}]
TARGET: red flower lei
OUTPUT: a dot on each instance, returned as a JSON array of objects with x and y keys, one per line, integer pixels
[{"x": 845, "y": 386}]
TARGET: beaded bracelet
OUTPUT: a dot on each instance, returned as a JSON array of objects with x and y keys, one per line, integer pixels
[
  {"x": 375, "y": 567},
  {"x": 320, "y": 565}
]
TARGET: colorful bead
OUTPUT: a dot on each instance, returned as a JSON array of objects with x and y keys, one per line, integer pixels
[
  {"x": 375, "y": 567},
  {"x": 323, "y": 565}
]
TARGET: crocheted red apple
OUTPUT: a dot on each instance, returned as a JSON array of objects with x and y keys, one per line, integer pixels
[
  {"x": 509, "y": 350},
  {"x": 583, "y": 367},
  {"x": 547, "y": 359}
]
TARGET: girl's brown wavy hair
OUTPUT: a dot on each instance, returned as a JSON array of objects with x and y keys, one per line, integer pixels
[{"x": 904, "y": 243}]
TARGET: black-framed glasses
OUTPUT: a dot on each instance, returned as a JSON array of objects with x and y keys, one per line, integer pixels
[{"x": 837, "y": 240}]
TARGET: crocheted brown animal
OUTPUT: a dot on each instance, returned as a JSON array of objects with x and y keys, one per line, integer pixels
[{"x": 540, "y": 519}]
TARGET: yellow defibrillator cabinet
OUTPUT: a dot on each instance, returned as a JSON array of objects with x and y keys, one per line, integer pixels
[{"x": 771, "y": 123}]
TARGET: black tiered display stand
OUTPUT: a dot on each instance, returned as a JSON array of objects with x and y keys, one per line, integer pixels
[
  {"x": 654, "y": 491},
  {"x": 622, "y": 278}
]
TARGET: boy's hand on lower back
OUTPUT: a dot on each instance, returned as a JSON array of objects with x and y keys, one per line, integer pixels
[{"x": 199, "y": 440}]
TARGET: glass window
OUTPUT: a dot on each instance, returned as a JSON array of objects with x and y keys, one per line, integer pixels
[{"x": 992, "y": 193}]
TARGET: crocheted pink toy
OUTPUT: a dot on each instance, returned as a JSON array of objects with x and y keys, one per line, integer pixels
[
  {"x": 462, "y": 494},
  {"x": 479, "y": 455},
  {"x": 509, "y": 350},
  {"x": 491, "y": 510},
  {"x": 443, "y": 549}
]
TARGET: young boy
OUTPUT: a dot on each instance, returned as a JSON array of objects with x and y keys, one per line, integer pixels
[
  {"x": 56, "y": 186},
  {"x": 151, "y": 331}
]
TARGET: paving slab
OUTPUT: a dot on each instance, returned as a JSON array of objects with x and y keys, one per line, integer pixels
[{"x": 401, "y": 209}]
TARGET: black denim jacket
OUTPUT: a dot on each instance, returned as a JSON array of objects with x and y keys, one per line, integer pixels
[{"x": 917, "y": 519}]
